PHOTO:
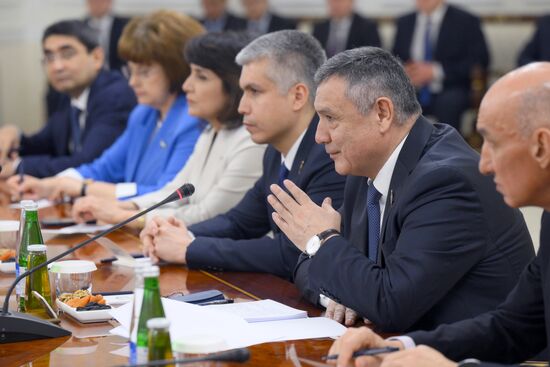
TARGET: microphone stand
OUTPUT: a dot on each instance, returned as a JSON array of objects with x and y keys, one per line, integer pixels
[{"x": 18, "y": 327}]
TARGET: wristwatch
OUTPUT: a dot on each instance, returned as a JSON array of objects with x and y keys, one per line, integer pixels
[
  {"x": 84, "y": 187},
  {"x": 470, "y": 362},
  {"x": 316, "y": 241}
]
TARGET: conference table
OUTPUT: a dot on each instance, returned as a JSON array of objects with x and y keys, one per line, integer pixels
[{"x": 91, "y": 344}]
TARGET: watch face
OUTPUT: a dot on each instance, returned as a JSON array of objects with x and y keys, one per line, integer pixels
[{"x": 313, "y": 245}]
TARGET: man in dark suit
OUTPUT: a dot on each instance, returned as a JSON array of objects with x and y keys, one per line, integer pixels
[
  {"x": 345, "y": 29},
  {"x": 218, "y": 19},
  {"x": 538, "y": 47},
  {"x": 426, "y": 239},
  {"x": 277, "y": 104},
  {"x": 513, "y": 119},
  {"x": 92, "y": 114},
  {"x": 442, "y": 46},
  {"x": 260, "y": 20}
]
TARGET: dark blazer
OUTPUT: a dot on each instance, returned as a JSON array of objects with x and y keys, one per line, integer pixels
[
  {"x": 517, "y": 330},
  {"x": 237, "y": 240},
  {"x": 109, "y": 104},
  {"x": 538, "y": 48},
  {"x": 115, "y": 62},
  {"x": 450, "y": 248},
  {"x": 232, "y": 22},
  {"x": 460, "y": 45},
  {"x": 279, "y": 23},
  {"x": 363, "y": 32}
]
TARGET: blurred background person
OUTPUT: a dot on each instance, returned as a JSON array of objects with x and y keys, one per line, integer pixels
[
  {"x": 91, "y": 114},
  {"x": 441, "y": 46},
  {"x": 344, "y": 29},
  {"x": 160, "y": 135},
  {"x": 538, "y": 47},
  {"x": 260, "y": 20},
  {"x": 225, "y": 163},
  {"x": 218, "y": 19}
]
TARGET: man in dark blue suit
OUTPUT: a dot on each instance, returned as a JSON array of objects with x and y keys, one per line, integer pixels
[
  {"x": 425, "y": 239},
  {"x": 513, "y": 119},
  {"x": 345, "y": 29},
  {"x": 442, "y": 47},
  {"x": 277, "y": 104},
  {"x": 91, "y": 115},
  {"x": 538, "y": 47}
]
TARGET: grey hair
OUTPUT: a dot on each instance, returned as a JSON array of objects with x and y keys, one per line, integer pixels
[
  {"x": 294, "y": 58},
  {"x": 534, "y": 109},
  {"x": 372, "y": 73}
]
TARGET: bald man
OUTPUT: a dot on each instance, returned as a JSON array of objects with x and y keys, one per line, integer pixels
[{"x": 514, "y": 121}]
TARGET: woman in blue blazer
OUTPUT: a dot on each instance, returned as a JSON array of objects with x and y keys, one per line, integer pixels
[{"x": 160, "y": 135}]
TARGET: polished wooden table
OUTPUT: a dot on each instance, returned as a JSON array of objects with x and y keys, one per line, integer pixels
[{"x": 90, "y": 345}]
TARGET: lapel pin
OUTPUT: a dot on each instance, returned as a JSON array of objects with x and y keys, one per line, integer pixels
[
  {"x": 301, "y": 166},
  {"x": 163, "y": 144}
]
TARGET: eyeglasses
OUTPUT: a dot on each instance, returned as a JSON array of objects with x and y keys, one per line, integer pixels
[
  {"x": 142, "y": 72},
  {"x": 64, "y": 54}
]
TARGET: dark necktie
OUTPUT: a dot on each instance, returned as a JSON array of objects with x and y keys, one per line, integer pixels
[
  {"x": 373, "y": 213},
  {"x": 425, "y": 94},
  {"x": 75, "y": 129},
  {"x": 283, "y": 174}
]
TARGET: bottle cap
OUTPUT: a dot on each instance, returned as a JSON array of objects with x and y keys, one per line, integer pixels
[
  {"x": 30, "y": 205},
  {"x": 199, "y": 344},
  {"x": 142, "y": 263},
  {"x": 36, "y": 248},
  {"x": 72, "y": 266},
  {"x": 158, "y": 323}
]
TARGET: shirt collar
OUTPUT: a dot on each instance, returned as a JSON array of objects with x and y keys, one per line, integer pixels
[
  {"x": 437, "y": 15},
  {"x": 82, "y": 100},
  {"x": 383, "y": 179},
  {"x": 288, "y": 160}
]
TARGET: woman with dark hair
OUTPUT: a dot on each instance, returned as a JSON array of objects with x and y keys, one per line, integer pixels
[
  {"x": 160, "y": 135},
  {"x": 225, "y": 162}
]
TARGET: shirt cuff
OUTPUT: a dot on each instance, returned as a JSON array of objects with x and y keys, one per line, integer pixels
[
  {"x": 72, "y": 173},
  {"x": 15, "y": 164},
  {"x": 323, "y": 300},
  {"x": 407, "y": 341},
  {"x": 126, "y": 189},
  {"x": 192, "y": 236},
  {"x": 436, "y": 85}
]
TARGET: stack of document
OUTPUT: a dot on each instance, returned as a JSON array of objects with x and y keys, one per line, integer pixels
[{"x": 239, "y": 324}]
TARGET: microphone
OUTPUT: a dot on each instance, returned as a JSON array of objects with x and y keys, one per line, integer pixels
[
  {"x": 240, "y": 355},
  {"x": 18, "y": 327}
]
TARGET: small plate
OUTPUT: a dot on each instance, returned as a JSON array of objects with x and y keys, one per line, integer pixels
[
  {"x": 7, "y": 267},
  {"x": 87, "y": 317}
]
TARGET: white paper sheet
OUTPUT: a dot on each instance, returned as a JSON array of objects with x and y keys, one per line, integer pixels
[
  {"x": 42, "y": 203},
  {"x": 260, "y": 311},
  {"x": 309, "y": 328},
  {"x": 77, "y": 228}
]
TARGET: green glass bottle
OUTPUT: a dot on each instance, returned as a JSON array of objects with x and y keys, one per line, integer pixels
[
  {"x": 30, "y": 235},
  {"x": 151, "y": 307},
  {"x": 159, "y": 340},
  {"x": 38, "y": 281}
]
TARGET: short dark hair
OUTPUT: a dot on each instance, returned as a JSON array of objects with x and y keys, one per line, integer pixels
[
  {"x": 74, "y": 28},
  {"x": 160, "y": 37},
  {"x": 372, "y": 73},
  {"x": 216, "y": 52}
]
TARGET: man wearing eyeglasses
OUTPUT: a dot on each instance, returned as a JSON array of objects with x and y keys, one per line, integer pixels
[{"x": 91, "y": 115}]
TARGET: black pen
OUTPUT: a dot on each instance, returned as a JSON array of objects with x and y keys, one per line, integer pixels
[
  {"x": 365, "y": 352},
  {"x": 216, "y": 302}
]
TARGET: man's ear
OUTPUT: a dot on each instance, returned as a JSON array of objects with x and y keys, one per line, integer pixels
[
  {"x": 300, "y": 96},
  {"x": 540, "y": 147},
  {"x": 98, "y": 56},
  {"x": 384, "y": 112}
]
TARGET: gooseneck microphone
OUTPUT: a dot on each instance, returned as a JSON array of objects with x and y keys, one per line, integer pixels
[
  {"x": 240, "y": 355},
  {"x": 17, "y": 327}
]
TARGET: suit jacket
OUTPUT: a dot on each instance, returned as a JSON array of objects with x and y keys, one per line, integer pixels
[
  {"x": 223, "y": 167},
  {"x": 538, "y": 48},
  {"x": 460, "y": 45},
  {"x": 115, "y": 62},
  {"x": 279, "y": 23},
  {"x": 147, "y": 158},
  {"x": 517, "y": 330},
  {"x": 449, "y": 246},
  {"x": 238, "y": 239},
  {"x": 109, "y": 104},
  {"x": 362, "y": 32}
]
